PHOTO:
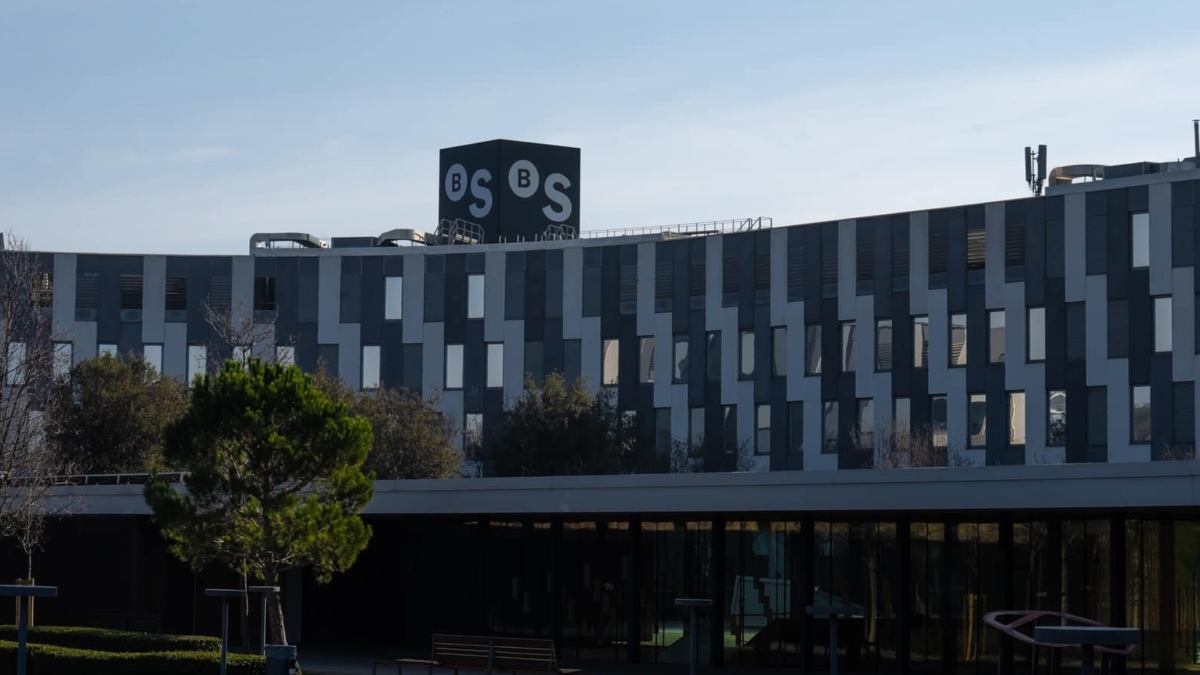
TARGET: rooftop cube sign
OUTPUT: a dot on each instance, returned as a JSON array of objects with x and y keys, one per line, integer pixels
[{"x": 513, "y": 190}]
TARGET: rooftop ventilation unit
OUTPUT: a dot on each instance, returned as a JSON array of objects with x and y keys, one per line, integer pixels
[{"x": 281, "y": 239}]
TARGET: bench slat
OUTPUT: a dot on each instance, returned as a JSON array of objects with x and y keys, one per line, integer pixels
[{"x": 502, "y": 654}]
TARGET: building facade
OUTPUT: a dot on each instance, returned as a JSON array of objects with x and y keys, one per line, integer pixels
[{"x": 1059, "y": 328}]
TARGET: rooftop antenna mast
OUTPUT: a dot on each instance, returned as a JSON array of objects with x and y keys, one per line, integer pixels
[
  {"x": 1035, "y": 169},
  {"x": 1196, "y": 138}
]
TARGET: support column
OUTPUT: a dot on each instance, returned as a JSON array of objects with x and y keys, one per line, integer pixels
[
  {"x": 293, "y": 604},
  {"x": 555, "y": 583},
  {"x": 634, "y": 606},
  {"x": 1007, "y": 590},
  {"x": 807, "y": 544},
  {"x": 1116, "y": 582},
  {"x": 1166, "y": 597},
  {"x": 904, "y": 610},
  {"x": 716, "y": 615}
]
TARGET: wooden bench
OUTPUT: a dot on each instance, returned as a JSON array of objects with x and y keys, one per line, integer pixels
[{"x": 490, "y": 654}]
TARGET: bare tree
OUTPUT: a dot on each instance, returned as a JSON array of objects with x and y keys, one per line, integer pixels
[
  {"x": 688, "y": 457},
  {"x": 29, "y": 469},
  {"x": 897, "y": 447},
  {"x": 245, "y": 333}
]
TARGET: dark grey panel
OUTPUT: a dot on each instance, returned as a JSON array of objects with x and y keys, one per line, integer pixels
[
  {"x": 412, "y": 371},
  {"x": 308, "y": 282},
  {"x": 435, "y": 288},
  {"x": 956, "y": 278},
  {"x": 391, "y": 355},
  {"x": 1096, "y": 206},
  {"x": 350, "y": 292},
  {"x": 1035, "y": 253},
  {"x": 454, "y": 310},
  {"x": 327, "y": 355},
  {"x": 370, "y": 310},
  {"x": 1117, "y": 229},
  {"x": 1141, "y": 337}
]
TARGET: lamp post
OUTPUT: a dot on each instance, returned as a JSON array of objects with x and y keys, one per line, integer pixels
[
  {"x": 262, "y": 634},
  {"x": 225, "y": 594},
  {"x": 26, "y": 593}
]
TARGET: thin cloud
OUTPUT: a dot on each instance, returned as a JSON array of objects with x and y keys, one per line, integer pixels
[{"x": 214, "y": 153}]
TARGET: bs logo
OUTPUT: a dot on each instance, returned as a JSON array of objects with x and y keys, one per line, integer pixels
[{"x": 523, "y": 181}]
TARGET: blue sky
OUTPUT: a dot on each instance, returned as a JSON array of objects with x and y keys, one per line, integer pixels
[{"x": 184, "y": 127}]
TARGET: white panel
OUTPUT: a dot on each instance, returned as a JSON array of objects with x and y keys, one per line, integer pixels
[
  {"x": 174, "y": 350},
  {"x": 864, "y": 361},
  {"x": 645, "y": 288},
  {"x": 1160, "y": 238},
  {"x": 993, "y": 219},
  {"x": 350, "y": 355},
  {"x": 154, "y": 298},
  {"x": 413, "y": 324},
  {"x": 847, "y": 281},
  {"x": 712, "y": 282},
  {"x": 241, "y": 282},
  {"x": 729, "y": 355},
  {"x": 452, "y": 408},
  {"x": 939, "y": 344},
  {"x": 664, "y": 360},
  {"x": 779, "y": 290},
  {"x": 1096, "y": 318},
  {"x": 573, "y": 293},
  {"x": 493, "y": 293},
  {"x": 264, "y": 346},
  {"x": 514, "y": 358},
  {"x": 1183, "y": 324},
  {"x": 1075, "y": 246},
  {"x": 1014, "y": 337},
  {"x": 63, "y": 307},
  {"x": 590, "y": 348},
  {"x": 918, "y": 267},
  {"x": 329, "y": 292},
  {"x": 85, "y": 340},
  {"x": 1036, "y": 413},
  {"x": 433, "y": 367}
]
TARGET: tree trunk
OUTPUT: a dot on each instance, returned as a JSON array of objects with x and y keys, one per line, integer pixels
[
  {"x": 276, "y": 631},
  {"x": 247, "y": 646}
]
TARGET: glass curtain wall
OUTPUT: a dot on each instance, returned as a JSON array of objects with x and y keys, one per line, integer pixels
[
  {"x": 597, "y": 574},
  {"x": 676, "y": 562}
]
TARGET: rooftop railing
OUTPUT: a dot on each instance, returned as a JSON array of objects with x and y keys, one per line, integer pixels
[{"x": 685, "y": 229}]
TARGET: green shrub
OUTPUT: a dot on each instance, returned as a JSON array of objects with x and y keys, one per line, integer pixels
[
  {"x": 102, "y": 639},
  {"x": 51, "y": 660}
]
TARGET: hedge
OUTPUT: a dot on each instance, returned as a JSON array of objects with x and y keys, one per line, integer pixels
[
  {"x": 103, "y": 639},
  {"x": 51, "y": 660}
]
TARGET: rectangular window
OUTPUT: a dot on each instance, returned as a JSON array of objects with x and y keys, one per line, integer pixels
[
  {"x": 796, "y": 427},
  {"x": 87, "y": 286},
  {"x": 883, "y": 345},
  {"x": 1056, "y": 427},
  {"x": 1140, "y": 238},
  {"x": 812, "y": 345},
  {"x": 1162, "y": 324},
  {"x": 1014, "y": 244},
  {"x": 609, "y": 361},
  {"x": 152, "y": 355},
  {"x": 996, "y": 336},
  {"x": 920, "y": 342},
  {"x": 1140, "y": 428},
  {"x": 958, "y": 340},
  {"x": 1036, "y": 329},
  {"x": 779, "y": 352},
  {"x": 285, "y": 355},
  {"x": 370, "y": 367},
  {"x": 264, "y": 293},
  {"x": 63, "y": 358},
  {"x": 15, "y": 372},
  {"x": 177, "y": 290},
  {"x": 866, "y": 423},
  {"x": 848, "y": 346},
  {"x": 1016, "y": 418},
  {"x": 646, "y": 360},
  {"x": 131, "y": 291},
  {"x": 454, "y": 366},
  {"x": 829, "y": 428},
  {"x": 43, "y": 289},
  {"x": 746, "y": 368},
  {"x": 938, "y": 248},
  {"x": 762, "y": 430},
  {"x": 695, "y": 430},
  {"x": 938, "y": 416},
  {"x": 473, "y": 431},
  {"x": 977, "y": 421},
  {"x": 393, "y": 298},
  {"x": 679, "y": 368},
  {"x": 474, "y": 296},
  {"x": 495, "y": 365},
  {"x": 662, "y": 431},
  {"x": 197, "y": 362},
  {"x": 240, "y": 354},
  {"x": 714, "y": 356},
  {"x": 106, "y": 350}
]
